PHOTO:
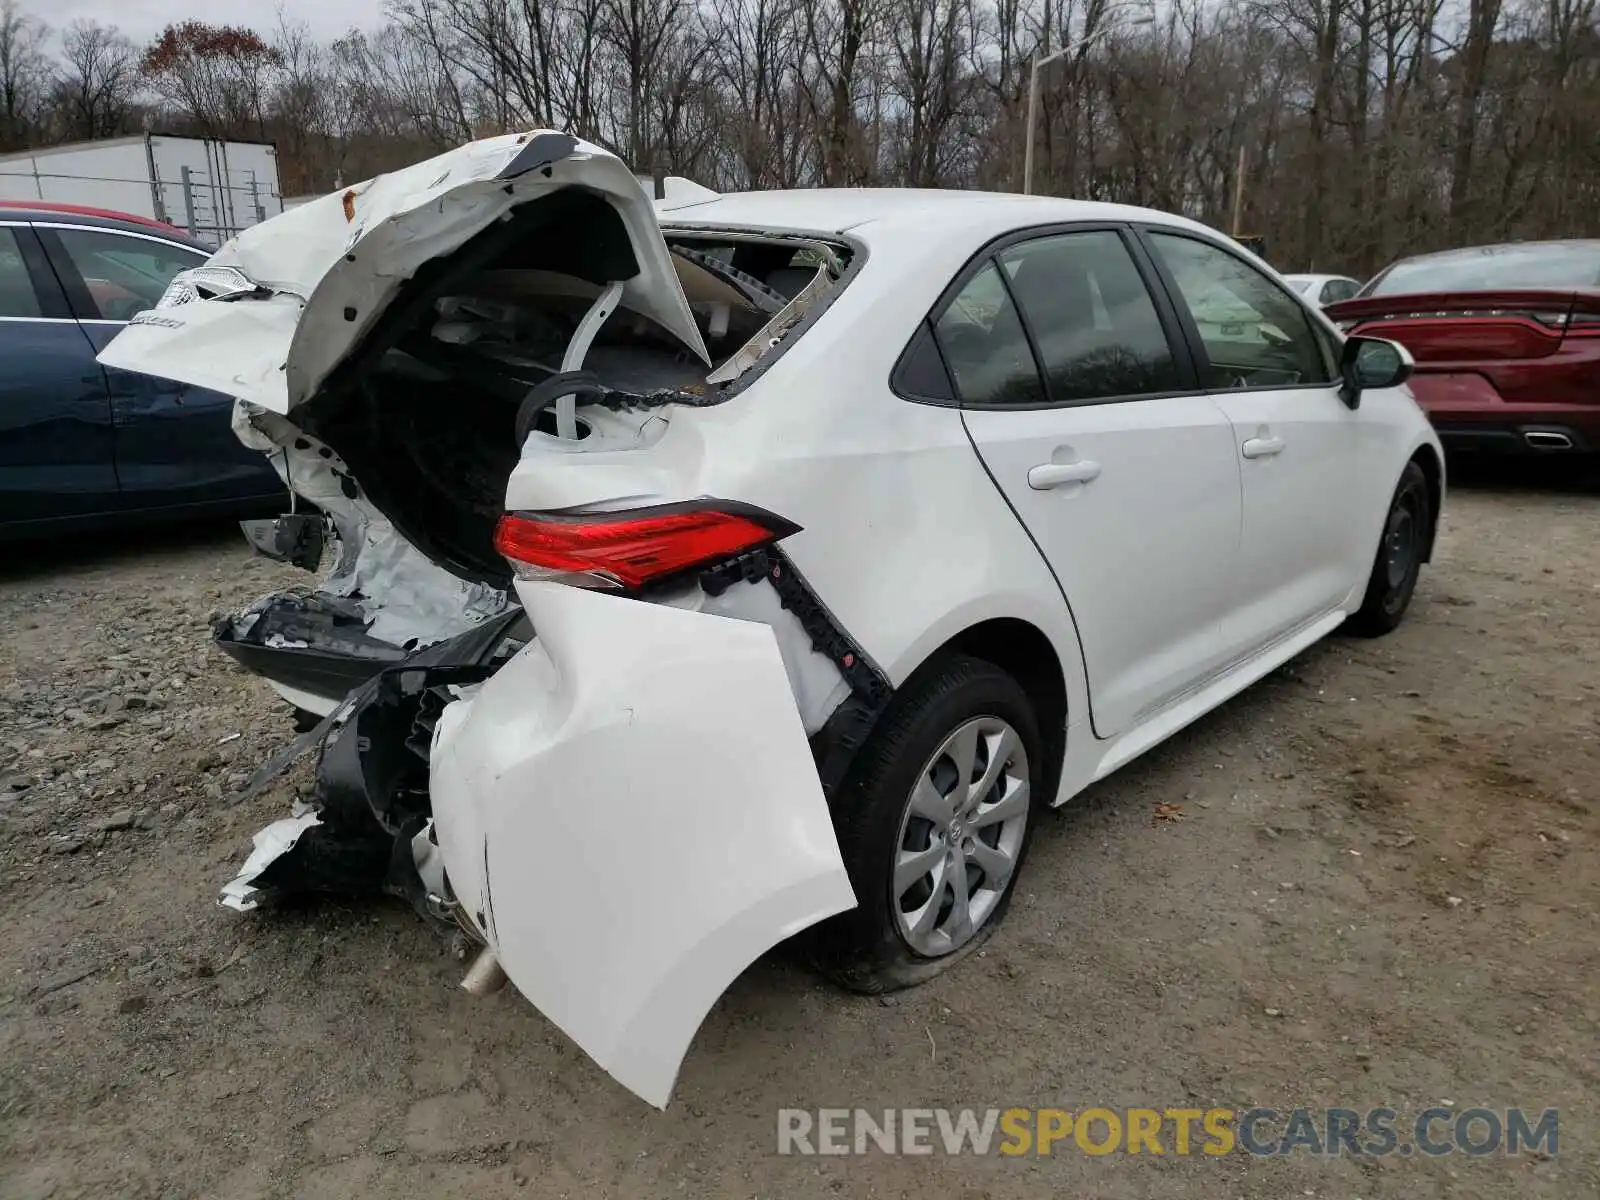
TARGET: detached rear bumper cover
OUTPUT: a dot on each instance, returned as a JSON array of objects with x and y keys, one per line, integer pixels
[{"x": 629, "y": 812}]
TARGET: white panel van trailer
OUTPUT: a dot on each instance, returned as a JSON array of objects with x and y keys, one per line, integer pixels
[{"x": 210, "y": 187}]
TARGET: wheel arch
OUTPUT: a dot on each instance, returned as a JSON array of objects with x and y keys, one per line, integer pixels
[
  {"x": 1023, "y": 651},
  {"x": 1432, "y": 466}
]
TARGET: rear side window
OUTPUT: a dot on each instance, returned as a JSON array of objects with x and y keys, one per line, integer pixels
[
  {"x": 1091, "y": 317},
  {"x": 124, "y": 275},
  {"x": 1336, "y": 290},
  {"x": 17, "y": 297},
  {"x": 985, "y": 347},
  {"x": 1253, "y": 332}
]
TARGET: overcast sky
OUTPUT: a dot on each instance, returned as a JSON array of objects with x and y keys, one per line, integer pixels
[{"x": 143, "y": 19}]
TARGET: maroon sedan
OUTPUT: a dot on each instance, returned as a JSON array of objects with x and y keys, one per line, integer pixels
[{"x": 1506, "y": 338}]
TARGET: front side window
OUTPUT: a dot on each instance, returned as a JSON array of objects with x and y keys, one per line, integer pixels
[
  {"x": 1253, "y": 332},
  {"x": 125, "y": 275},
  {"x": 1337, "y": 290},
  {"x": 17, "y": 297},
  {"x": 985, "y": 347},
  {"x": 1091, "y": 316}
]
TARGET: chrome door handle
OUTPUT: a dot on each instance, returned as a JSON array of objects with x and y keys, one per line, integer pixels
[
  {"x": 1049, "y": 475},
  {"x": 1262, "y": 447}
]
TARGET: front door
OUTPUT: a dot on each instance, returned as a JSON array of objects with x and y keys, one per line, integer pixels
[
  {"x": 1277, "y": 379},
  {"x": 1089, "y": 422},
  {"x": 55, "y": 420}
]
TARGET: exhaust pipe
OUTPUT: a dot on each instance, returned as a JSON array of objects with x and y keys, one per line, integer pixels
[
  {"x": 1547, "y": 439},
  {"x": 484, "y": 975}
]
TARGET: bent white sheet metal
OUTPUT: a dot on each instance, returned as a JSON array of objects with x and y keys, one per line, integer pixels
[
  {"x": 329, "y": 268},
  {"x": 630, "y": 813}
]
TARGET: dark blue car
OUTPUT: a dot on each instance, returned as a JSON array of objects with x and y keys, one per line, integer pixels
[{"x": 83, "y": 446}]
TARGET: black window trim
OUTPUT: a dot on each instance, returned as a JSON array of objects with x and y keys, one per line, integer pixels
[
  {"x": 47, "y": 293},
  {"x": 1168, "y": 315},
  {"x": 1326, "y": 346}
]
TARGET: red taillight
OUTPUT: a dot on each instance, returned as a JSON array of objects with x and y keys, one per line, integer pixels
[{"x": 632, "y": 548}]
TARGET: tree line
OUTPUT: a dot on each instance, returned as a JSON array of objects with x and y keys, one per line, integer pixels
[{"x": 1367, "y": 129}]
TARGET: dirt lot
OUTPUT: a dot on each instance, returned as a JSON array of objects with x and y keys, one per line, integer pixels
[{"x": 1381, "y": 889}]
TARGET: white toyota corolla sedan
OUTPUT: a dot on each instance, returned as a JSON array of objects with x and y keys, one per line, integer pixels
[{"x": 728, "y": 568}]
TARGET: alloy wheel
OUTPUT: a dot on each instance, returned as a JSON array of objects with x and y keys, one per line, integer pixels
[{"x": 960, "y": 836}]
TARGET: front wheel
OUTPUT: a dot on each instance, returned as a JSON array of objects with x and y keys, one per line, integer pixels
[
  {"x": 934, "y": 824},
  {"x": 1399, "y": 560}
]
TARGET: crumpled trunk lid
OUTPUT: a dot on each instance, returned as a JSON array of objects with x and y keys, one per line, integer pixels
[{"x": 278, "y": 308}]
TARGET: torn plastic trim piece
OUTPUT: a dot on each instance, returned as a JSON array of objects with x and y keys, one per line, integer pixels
[
  {"x": 294, "y": 538},
  {"x": 269, "y": 844},
  {"x": 314, "y": 644},
  {"x": 471, "y": 648},
  {"x": 370, "y": 799},
  {"x": 834, "y": 746},
  {"x": 771, "y": 335},
  {"x": 828, "y": 636},
  {"x": 764, "y": 298}
]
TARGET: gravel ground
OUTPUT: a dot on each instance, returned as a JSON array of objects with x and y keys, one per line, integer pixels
[{"x": 1374, "y": 883}]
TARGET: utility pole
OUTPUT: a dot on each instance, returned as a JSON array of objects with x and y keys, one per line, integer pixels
[
  {"x": 1238, "y": 195},
  {"x": 1043, "y": 58},
  {"x": 1040, "y": 56}
]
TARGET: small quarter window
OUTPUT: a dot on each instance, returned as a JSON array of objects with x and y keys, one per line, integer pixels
[{"x": 920, "y": 374}]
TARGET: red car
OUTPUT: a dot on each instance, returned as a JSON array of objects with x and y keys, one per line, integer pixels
[{"x": 1506, "y": 341}]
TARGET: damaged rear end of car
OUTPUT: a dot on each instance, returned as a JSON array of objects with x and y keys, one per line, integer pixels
[{"x": 558, "y": 699}]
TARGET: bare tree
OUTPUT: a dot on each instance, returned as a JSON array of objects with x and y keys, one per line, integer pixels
[
  {"x": 216, "y": 76},
  {"x": 24, "y": 76},
  {"x": 837, "y": 43},
  {"x": 98, "y": 80},
  {"x": 930, "y": 40},
  {"x": 1369, "y": 128}
]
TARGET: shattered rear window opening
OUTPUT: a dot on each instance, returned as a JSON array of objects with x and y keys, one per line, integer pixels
[{"x": 507, "y": 328}]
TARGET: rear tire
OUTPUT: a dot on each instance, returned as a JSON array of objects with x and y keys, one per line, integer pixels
[
  {"x": 1406, "y": 530},
  {"x": 904, "y": 812}
]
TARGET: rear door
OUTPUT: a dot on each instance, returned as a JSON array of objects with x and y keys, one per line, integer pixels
[
  {"x": 174, "y": 444},
  {"x": 55, "y": 420},
  {"x": 1275, "y": 376},
  {"x": 1077, "y": 392}
]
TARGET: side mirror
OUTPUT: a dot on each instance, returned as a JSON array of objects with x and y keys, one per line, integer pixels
[{"x": 1369, "y": 362}]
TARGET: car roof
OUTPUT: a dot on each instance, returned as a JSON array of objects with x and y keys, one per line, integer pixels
[
  {"x": 45, "y": 210},
  {"x": 1315, "y": 278},
  {"x": 869, "y": 212}
]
